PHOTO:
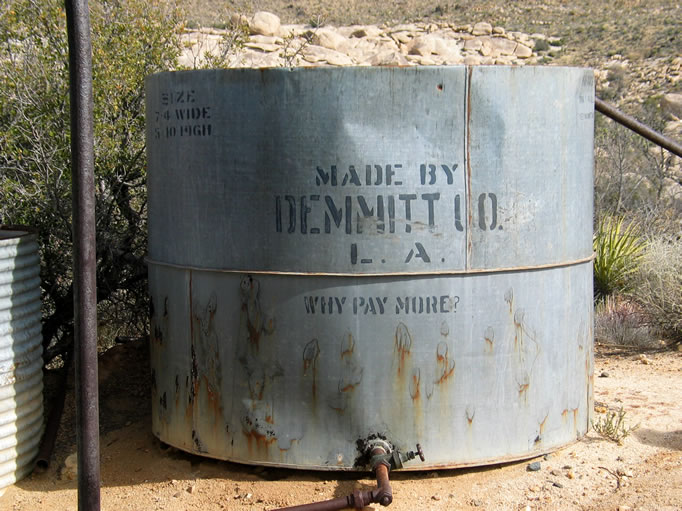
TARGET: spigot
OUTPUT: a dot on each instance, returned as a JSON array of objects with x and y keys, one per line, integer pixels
[
  {"x": 381, "y": 453},
  {"x": 413, "y": 454}
]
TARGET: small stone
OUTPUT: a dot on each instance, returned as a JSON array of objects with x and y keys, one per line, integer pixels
[
  {"x": 505, "y": 60},
  {"x": 423, "y": 46},
  {"x": 248, "y": 496},
  {"x": 473, "y": 44},
  {"x": 503, "y": 46},
  {"x": 368, "y": 30},
  {"x": 264, "y": 47},
  {"x": 522, "y": 51},
  {"x": 452, "y": 59},
  {"x": 533, "y": 467},
  {"x": 422, "y": 61},
  {"x": 624, "y": 508},
  {"x": 192, "y": 489},
  {"x": 498, "y": 30},
  {"x": 570, "y": 474},
  {"x": 624, "y": 472},
  {"x": 557, "y": 484},
  {"x": 604, "y": 374},
  {"x": 486, "y": 47},
  {"x": 476, "y": 502},
  {"x": 331, "y": 39},
  {"x": 388, "y": 58},
  {"x": 644, "y": 360},
  {"x": 402, "y": 37},
  {"x": 435, "y": 497},
  {"x": 70, "y": 468},
  {"x": 177, "y": 495},
  {"x": 482, "y": 28},
  {"x": 314, "y": 54},
  {"x": 472, "y": 60}
]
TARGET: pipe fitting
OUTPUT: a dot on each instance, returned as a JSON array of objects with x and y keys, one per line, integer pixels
[{"x": 381, "y": 461}]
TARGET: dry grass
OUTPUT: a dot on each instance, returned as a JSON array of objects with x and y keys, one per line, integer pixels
[
  {"x": 622, "y": 322},
  {"x": 658, "y": 285}
]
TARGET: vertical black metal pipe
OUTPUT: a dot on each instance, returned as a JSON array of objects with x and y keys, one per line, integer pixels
[{"x": 84, "y": 248}]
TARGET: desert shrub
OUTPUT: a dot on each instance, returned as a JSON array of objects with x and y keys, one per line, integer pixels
[
  {"x": 634, "y": 177},
  {"x": 131, "y": 39},
  {"x": 637, "y": 180},
  {"x": 613, "y": 426},
  {"x": 204, "y": 53},
  {"x": 622, "y": 321},
  {"x": 618, "y": 250},
  {"x": 658, "y": 285}
]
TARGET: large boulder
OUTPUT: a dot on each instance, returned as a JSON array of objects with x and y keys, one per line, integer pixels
[{"x": 265, "y": 23}]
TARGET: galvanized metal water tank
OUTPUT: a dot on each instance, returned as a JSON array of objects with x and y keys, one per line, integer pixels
[
  {"x": 21, "y": 362},
  {"x": 339, "y": 254}
]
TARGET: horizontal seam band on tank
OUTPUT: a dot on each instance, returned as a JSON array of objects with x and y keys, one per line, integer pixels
[{"x": 387, "y": 274}]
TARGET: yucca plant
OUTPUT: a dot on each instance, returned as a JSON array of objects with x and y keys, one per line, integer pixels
[{"x": 618, "y": 251}]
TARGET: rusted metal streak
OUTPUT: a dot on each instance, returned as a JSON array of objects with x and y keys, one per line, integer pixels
[
  {"x": 327, "y": 505},
  {"x": 472, "y": 271},
  {"x": 641, "y": 129}
]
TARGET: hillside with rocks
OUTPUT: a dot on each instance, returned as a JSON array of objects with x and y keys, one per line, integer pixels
[
  {"x": 634, "y": 46},
  {"x": 635, "y": 81},
  {"x": 271, "y": 44}
]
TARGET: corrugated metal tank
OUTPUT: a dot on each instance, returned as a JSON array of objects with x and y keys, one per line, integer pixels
[
  {"x": 21, "y": 362},
  {"x": 344, "y": 254}
]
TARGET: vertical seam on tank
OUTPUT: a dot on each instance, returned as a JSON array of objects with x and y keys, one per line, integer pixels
[
  {"x": 191, "y": 358},
  {"x": 467, "y": 158}
]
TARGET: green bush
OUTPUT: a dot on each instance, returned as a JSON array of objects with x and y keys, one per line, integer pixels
[
  {"x": 131, "y": 39},
  {"x": 618, "y": 250}
]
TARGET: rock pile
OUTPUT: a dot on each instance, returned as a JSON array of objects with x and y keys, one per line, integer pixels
[{"x": 268, "y": 43}]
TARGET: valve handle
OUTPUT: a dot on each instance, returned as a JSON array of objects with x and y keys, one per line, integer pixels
[{"x": 420, "y": 453}]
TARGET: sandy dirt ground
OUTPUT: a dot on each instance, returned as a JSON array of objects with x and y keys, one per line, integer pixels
[{"x": 140, "y": 473}]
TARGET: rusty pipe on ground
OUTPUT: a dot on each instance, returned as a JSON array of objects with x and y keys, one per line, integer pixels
[
  {"x": 54, "y": 419},
  {"x": 382, "y": 494},
  {"x": 381, "y": 462},
  {"x": 641, "y": 129}
]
